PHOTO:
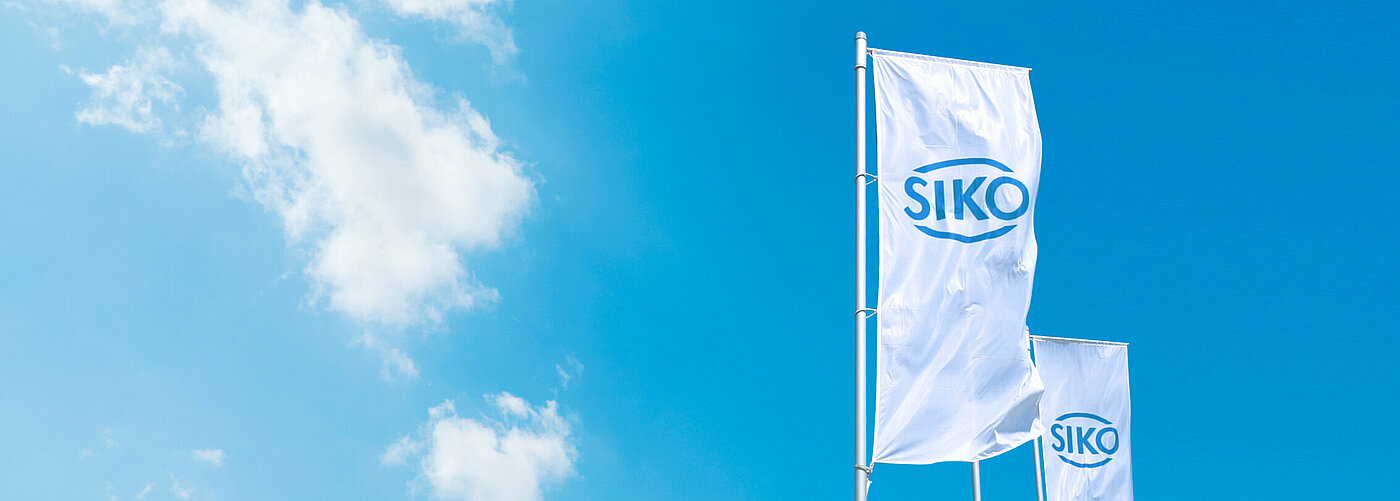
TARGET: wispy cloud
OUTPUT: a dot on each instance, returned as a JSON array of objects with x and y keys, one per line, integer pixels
[
  {"x": 178, "y": 489},
  {"x": 395, "y": 362},
  {"x": 401, "y": 452},
  {"x": 477, "y": 20},
  {"x": 570, "y": 369},
  {"x": 513, "y": 459},
  {"x": 211, "y": 456},
  {"x": 109, "y": 441},
  {"x": 126, "y": 93}
]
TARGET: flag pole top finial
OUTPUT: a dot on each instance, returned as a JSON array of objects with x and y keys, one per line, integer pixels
[{"x": 860, "y": 35}]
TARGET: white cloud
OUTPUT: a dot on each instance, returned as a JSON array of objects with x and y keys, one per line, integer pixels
[
  {"x": 178, "y": 489},
  {"x": 475, "y": 19},
  {"x": 511, "y": 405},
  {"x": 211, "y": 456},
  {"x": 395, "y": 362},
  {"x": 108, "y": 441},
  {"x": 486, "y": 460},
  {"x": 400, "y": 363},
  {"x": 55, "y": 39},
  {"x": 574, "y": 369},
  {"x": 337, "y": 137},
  {"x": 125, "y": 94},
  {"x": 400, "y": 452},
  {"x": 382, "y": 190},
  {"x": 145, "y": 491},
  {"x": 108, "y": 438}
]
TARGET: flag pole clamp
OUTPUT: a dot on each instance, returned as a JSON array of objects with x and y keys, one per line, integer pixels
[
  {"x": 868, "y": 470},
  {"x": 870, "y": 178},
  {"x": 869, "y": 312}
]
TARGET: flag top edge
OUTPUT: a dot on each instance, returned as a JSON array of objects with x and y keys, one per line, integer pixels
[
  {"x": 948, "y": 60},
  {"x": 1052, "y": 339}
]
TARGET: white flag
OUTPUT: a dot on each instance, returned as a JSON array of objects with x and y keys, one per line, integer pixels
[
  {"x": 1088, "y": 451},
  {"x": 959, "y": 163}
]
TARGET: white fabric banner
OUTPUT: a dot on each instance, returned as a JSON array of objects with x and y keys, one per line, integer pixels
[
  {"x": 1087, "y": 453},
  {"x": 959, "y": 163}
]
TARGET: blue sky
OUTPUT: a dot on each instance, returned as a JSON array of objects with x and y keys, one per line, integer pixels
[{"x": 667, "y": 223}]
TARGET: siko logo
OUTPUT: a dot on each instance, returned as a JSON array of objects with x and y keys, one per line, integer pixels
[
  {"x": 1084, "y": 440},
  {"x": 973, "y": 198}
]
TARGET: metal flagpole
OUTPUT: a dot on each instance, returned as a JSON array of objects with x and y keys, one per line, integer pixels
[
  {"x": 976, "y": 481},
  {"x": 862, "y": 470},
  {"x": 1039, "y": 474},
  {"x": 1039, "y": 468}
]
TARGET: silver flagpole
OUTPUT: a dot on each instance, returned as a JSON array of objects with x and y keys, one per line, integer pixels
[
  {"x": 1039, "y": 475},
  {"x": 862, "y": 471},
  {"x": 976, "y": 481},
  {"x": 1039, "y": 469}
]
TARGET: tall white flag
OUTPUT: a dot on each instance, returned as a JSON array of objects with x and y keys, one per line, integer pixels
[
  {"x": 1088, "y": 451},
  {"x": 959, "y": 163}
]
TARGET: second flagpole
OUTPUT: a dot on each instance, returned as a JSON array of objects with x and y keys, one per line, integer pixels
[
  {"x": 862, "y": 469},
  {"x": 976, "y": 481}
]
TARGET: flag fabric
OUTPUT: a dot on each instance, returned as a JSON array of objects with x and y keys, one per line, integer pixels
[
  {"x": 1087, "y": 451},
  {"x": 959, "y": 163}
]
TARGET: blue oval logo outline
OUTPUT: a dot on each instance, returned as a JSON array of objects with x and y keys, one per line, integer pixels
[
  {"x": 967, "y": 239},
  {"x": 962, "y": 161},
  {"x": 1095, "y": 417}
]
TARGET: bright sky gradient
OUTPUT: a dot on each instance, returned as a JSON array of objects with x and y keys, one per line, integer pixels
[{"x": 631, "y": 258}]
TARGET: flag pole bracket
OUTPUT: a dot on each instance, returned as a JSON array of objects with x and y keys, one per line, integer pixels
[
  {"x": 869, "y": 178},
  {"x": 868, "y": 470},
  {"x": 869, "y": 312}
]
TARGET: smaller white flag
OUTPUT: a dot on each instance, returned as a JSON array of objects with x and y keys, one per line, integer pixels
[{"x": 1087, "y": 450}]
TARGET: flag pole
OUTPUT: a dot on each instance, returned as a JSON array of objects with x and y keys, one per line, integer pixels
[
  {"x": 1039, "y": 467},
  {"x": 976, "y": 481},
  {"x": 862, "y": 469},
  {"x": 1039, "y": 473}
]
